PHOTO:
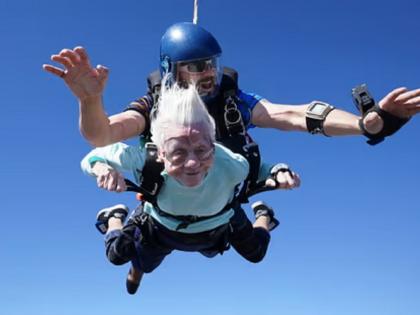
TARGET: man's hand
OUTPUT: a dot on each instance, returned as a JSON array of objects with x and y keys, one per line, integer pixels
[
  {"x": 82, "y": 79},
  {"x": 108, "y": 178},
  {"x": 400, "y": 102}
]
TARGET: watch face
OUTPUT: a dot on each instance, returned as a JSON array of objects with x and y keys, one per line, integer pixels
[{"x": 318, "y": 108}]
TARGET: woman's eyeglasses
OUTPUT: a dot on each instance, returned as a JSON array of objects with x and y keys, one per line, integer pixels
[{"x": 179, "y": 156}]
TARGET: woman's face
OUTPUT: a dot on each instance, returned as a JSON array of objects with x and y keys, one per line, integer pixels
[{"x": 188, "y": 154}]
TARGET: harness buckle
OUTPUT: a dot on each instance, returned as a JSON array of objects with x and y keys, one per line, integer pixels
[
  {"x": 151, "y": 148},
  {"x": 251, "y": 148},
  {"x": 232, "y": 116},
  {"x": 151, "y": 192}
]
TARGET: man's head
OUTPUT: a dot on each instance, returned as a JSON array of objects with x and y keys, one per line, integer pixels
[
  {"x": 184, "y": 133},
  {"x": 192, "y": 55}
]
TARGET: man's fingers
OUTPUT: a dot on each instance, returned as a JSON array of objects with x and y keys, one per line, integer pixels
[
  {"x": 54, "y": 70},
  {"x": 82, "y": 54},
  {"x": 71, "y": 55},
  {"x": 391, "y": 96},
  {"x": 404, "y": 97},
  {"x": 63, "y": 60},
  {"x": 102, "y": 72},
  {"x": 413, "y": 102},
  {"x": 413, "y": 111}
]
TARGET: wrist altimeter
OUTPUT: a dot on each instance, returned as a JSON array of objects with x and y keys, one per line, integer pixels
[
  {"x": 315, "y": 114},
  {"x": 362, "y": 98}
]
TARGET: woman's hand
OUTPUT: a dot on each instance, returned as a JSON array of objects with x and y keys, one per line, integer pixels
[
  {"x": 83, "y": 80},
  {"x": 284, "y": 178},
  {"x": 108, "y": 178}
]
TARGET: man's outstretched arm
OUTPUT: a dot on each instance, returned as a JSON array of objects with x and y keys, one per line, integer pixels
[
  {"x": 400, "y": 103},
  {"x": 88, "y": 83}
]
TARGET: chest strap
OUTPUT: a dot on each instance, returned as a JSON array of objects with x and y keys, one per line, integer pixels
[
  {"x": 186, "y": 220},
  {"x": 151, "y": 180}
]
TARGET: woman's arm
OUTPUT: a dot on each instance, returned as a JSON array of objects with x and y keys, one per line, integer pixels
[{"x": 110, "y": 160}]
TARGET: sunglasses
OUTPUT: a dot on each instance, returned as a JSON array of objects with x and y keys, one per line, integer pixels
[{"x": 198, "y": 66}]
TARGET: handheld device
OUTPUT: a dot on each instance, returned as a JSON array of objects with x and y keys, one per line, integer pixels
[{"x": 362, "y": 98}]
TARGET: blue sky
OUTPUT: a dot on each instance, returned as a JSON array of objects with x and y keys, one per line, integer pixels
[{"x": 348, "y": 242}]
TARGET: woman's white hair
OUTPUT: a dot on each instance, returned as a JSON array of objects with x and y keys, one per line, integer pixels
[{"x": 179, "y": 107}]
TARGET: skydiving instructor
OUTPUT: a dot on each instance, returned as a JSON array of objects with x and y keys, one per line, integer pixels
[{"x": 192, "y": 54}]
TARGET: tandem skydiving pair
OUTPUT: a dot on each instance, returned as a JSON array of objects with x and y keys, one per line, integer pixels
[{"x": 190, "y": 55}]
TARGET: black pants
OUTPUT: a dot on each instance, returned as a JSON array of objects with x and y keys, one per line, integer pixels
[{"x": 147, "y": 246}]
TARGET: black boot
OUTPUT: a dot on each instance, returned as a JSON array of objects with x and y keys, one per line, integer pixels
[{"x": 133, "y": 280}]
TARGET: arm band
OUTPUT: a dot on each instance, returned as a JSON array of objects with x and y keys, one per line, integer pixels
[{"x": 315, "y": 117}]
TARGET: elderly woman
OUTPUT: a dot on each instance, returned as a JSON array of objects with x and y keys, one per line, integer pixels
[{"x": 200, "y": 179}]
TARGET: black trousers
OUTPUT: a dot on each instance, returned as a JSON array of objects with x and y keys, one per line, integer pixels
[{"x": 147, "y": 246}]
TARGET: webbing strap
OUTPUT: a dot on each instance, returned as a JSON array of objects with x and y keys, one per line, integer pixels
[
  {"x": 186, "y": 220},
  {"x": 151, "y": 180}
]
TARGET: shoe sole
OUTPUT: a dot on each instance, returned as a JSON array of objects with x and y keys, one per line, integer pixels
[{"x": 105, "y": 211}]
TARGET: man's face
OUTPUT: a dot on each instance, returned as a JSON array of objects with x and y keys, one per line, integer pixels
[{"x": 203, "y": 73}]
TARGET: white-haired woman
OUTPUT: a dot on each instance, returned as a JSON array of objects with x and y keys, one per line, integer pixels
[{"x": 199, "y": 180}]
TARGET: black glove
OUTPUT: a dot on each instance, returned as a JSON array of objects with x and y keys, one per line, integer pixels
[{"x": 392, "y": 124}]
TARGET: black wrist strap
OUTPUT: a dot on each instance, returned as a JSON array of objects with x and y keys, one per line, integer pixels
[
  {"x": 392, "y": 124},
  {"x": 316, "y": 126}
]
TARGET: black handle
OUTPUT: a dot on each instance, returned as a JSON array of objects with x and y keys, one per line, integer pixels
[
  {"x": 259, "y": 188},
  {"x": 131, "y": 186}
]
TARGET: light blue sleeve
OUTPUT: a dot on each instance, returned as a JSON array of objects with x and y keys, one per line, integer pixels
[{"x": 120, "y": 156}]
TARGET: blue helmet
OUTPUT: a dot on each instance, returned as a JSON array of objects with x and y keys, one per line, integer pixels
[{"x": 186, "y": 42}]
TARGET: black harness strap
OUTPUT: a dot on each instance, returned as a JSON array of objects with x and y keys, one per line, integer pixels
[
  {"x": 231, "y": 130},
  {"x": 151, "y": 180},
  {"x": 186, "y": 220},
  {"x": 153, "y": 83},
  {"x": 252, "y": 154}
]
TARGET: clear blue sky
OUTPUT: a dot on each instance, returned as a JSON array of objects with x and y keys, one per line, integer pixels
[{"x": 349, "y": 239}]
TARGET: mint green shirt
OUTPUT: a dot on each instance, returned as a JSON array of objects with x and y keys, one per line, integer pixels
[{"x": 208, "y": 198}]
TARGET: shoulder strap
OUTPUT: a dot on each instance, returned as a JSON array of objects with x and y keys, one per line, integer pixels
[
  {"x": 236, "y": 137},
  {"x": 151, "y": 180},
  {"x": 228, "y": 118},
  {"x": 230, "y": 81},
  {"x": 154, "y": 80}
]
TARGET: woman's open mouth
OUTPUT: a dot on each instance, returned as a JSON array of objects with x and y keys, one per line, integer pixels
[{"x": 192, "y": 173}]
